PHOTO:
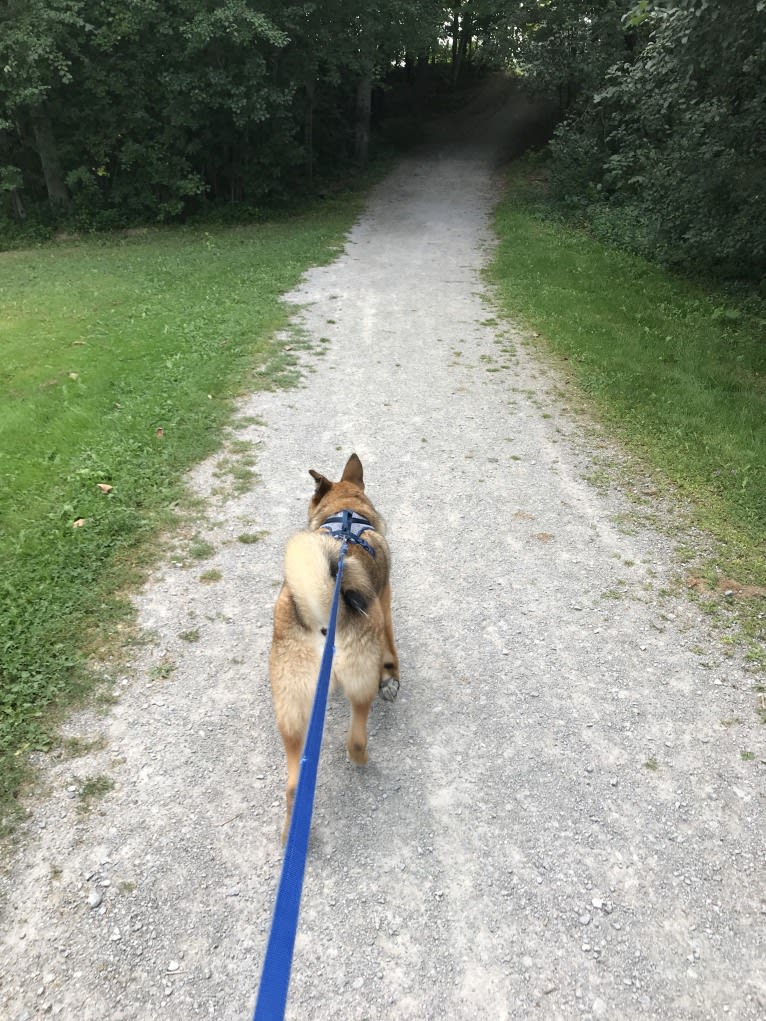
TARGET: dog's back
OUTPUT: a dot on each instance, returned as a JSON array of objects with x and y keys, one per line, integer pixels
[
  {"x": 311, "y": 565},
  {"x": 365, "y": 661}
]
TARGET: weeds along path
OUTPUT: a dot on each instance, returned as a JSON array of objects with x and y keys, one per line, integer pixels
[{"x": 557, "y": 819}]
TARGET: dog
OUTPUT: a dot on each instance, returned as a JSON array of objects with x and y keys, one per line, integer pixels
[{"x": 366, "y": 662}]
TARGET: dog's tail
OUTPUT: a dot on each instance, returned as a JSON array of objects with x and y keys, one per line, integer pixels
[{"x": 311, "y": 566}]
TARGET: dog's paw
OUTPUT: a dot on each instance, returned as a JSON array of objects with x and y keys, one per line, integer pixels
[
  {"x": 356, "y": 753},
  {"x": 388, "y": 688}
]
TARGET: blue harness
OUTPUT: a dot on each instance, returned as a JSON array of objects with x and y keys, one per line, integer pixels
[{"x": 348, "y": 526}]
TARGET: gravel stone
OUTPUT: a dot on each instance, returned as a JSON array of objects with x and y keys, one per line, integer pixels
[{"x": 476, "y": 788}]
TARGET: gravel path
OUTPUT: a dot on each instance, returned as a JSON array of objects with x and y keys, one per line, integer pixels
[{"x": 556, "y": 820}]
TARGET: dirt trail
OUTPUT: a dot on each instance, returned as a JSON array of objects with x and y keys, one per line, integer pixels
[{"x": 556, "y": 820}]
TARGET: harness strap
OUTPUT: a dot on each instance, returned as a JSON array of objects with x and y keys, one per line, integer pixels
[{"x": 348, "y": 526}]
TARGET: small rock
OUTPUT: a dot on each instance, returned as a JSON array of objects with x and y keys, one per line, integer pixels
[
  {"x": 94, "y": 898},
  {"x": 173, "y": 966},
  {"x": 358, "y": 982},
  {"x": 597, "y": 903},
  {"x": 585, "y": 918}
]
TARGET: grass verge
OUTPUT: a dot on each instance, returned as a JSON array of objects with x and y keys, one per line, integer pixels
[
  {"x": 122, "y": 357},
  {"x": 678, "y": 370}
]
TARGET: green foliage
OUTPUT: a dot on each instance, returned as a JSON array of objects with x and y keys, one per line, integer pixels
[
  {"x": 665, "y": 150},
  {"x": 482, "y": 34},
  {"x": 39, "y": 39},
  {"x": 567, "y": 46},
  {"x": 114, "y": 113}
]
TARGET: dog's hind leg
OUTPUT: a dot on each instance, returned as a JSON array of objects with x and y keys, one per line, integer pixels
[
  {"x": 293, "y": 748},
  {"x": 357, "y": 734},
  {"x": 293, "y": 666},
  {"x": 389, "y": 680}
]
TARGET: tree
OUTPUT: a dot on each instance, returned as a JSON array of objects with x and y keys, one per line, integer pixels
[
  {"x": 37, "y": 40},
  {"x": 476, "y": 25},
  {"x": 567, "y": 46},
  {"x": 148, "y": 109},
  {"x": 670, "y": 153}
]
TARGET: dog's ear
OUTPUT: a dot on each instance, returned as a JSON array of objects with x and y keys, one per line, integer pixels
[
  {"x": 323, "y": 485},
  {"x": 353, "y": 472}
]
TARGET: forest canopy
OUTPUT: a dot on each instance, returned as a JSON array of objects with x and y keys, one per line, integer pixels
[{"x": 146, "y": 110}]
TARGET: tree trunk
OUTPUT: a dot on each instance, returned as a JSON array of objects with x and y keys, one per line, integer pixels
[
  {"x": 308, "y": 130},
  {"x": 409, "y": 68},
  {"x": 455, "y": 48},
  {"x": 421, "y": 82},
  {"x": 45, "y": 143},
  {"x": 362, "y": 123},
  {"x": 18, "y": 205},
  {"x": 466, "y": 35}
]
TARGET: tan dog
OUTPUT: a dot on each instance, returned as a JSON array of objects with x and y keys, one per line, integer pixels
[{"x": 366, "y": 661}]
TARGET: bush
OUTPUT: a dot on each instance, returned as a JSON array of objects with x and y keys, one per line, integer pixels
[{"x": 668, "y": 156}]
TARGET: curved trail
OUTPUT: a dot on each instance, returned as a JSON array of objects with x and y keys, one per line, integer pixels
[{"x": 509, "y": 851}]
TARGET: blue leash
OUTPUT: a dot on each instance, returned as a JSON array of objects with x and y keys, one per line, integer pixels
[{"x": 275, "y": 976}]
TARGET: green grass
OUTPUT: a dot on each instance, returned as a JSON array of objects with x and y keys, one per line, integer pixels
[
  {"x": 201, "y": 549},
  {"x": 678, "y": 371},
  {"x": 92, "y": 789},
  {"x": 250, "y": 538},
  {"x": 121, "y": 359}
]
